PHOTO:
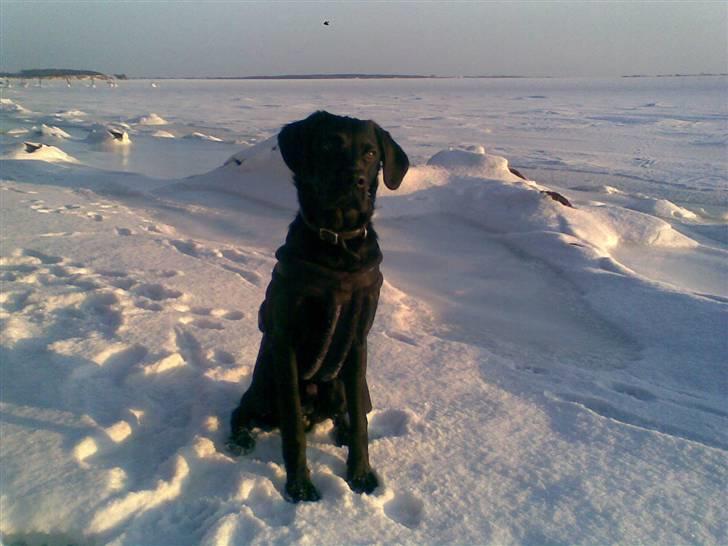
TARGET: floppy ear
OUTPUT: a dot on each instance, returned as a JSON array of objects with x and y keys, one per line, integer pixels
[
  {"x": 293, "y": 143},
  {"x": 394, "y": 161}
]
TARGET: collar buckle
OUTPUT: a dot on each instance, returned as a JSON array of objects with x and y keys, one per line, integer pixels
[{"x": 328, "y": 236}]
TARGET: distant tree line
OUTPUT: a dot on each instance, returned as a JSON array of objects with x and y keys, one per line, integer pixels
[{"x": 56, "y": 73}]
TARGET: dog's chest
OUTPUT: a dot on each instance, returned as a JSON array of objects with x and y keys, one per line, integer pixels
[
  {"x": 321, "y": 318},
  {"x": 328, "y": 329}
]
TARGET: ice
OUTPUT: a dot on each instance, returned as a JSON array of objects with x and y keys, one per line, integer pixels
[{"x": 540, "y": 373}]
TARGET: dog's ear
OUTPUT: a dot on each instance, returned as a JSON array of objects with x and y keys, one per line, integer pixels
[
  {"x": 293, "y": 143},
  {"x": 394, "y": 161}
]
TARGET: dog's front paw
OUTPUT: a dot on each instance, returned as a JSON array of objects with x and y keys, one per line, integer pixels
[
  {"x": 301, "y": 490},
  {"x": 241, "y": 442},
  {"x": 366, "y": 482}
]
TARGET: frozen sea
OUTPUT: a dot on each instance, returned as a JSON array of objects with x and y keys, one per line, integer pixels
[{"x": 540, "y": 374}]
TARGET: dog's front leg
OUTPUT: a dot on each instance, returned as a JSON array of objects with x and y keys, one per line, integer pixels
[
  {"x": 359, "y": 474},
  {"x": 298, "y": 479}
]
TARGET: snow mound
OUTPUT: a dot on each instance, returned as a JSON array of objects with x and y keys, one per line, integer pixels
[
  {"x": 608, "y": 190},
  {"x": 668, "y": 209},
  {"x": 108, "y": 135},
  {"x": 263, "y": 156},
  {"x": 202, "y": 136},
  {"x": 41, "y": 152},
  {"x": 69, "y": 114},
  {"x": 150, "y": 119},
  {"x": 471, "y": 185},
  {"x": 8, "y": 106},
  {"x": 637, "y": 228},
  {"x": 258, "y": 173},
  {"x": 479, "y": 188},
  {"x": 162, "y": 134},
  {"x": 17, "y": 131},
  {"x": 662, "y": 208},
  {"x": 473, "y": 162},
  {"x": 419, "y": 178},
  {"x": 51, "y": 131}
]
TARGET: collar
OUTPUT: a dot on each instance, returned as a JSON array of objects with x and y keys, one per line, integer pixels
[{"x": 334, "y": 237}]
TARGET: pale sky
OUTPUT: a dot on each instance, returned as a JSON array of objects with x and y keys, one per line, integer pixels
[{"x": 211, "y": 38}]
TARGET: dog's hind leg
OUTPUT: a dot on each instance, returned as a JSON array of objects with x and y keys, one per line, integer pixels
[
  {"x": 255, "y": 406},
  {"x": 242, "y": 439}
]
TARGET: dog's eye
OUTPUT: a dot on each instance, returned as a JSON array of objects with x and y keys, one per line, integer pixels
[{"x": 370, "y": 154}]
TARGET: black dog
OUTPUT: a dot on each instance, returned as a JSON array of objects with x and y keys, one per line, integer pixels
[{"x": 322, "y": 298}]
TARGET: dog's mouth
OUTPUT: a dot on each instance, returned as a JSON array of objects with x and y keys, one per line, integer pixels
[{"x": 335, "y": 206}]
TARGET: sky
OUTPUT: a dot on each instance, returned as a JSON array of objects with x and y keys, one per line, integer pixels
[{"x": 212, "y": 38}]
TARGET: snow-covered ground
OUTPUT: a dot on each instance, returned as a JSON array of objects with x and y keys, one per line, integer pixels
[{"x": 540, "y": 374}]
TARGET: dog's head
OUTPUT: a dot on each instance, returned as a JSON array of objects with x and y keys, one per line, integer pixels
[{"x": 335, "y": 162}]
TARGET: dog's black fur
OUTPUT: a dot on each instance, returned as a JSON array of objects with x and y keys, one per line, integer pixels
[{"x": 322, "y": 298}]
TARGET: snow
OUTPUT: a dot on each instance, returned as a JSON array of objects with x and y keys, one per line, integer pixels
[
  {"x": 203, "y": 136},
  {"x": 149, "y": 119},
  {"x": 51, "y": 131},
  {"x": 108, "y": 135},
  {"x": 540, "y": 374},
  {"x": 7, "y": 105},
  {"x": 39, "y": 152}
]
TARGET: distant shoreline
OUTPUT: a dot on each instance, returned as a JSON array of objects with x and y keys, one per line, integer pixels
[
  {"x": 52, "y": 73},
  {"x": 676, "y": 75}
]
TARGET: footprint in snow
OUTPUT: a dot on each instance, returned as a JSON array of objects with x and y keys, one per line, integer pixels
[
  {"x": 228, "y": 315},
  {"x": 247, "y": 275},
  {"x": 55, "y": 234},
  {"x": 16, "y": 190},
  {"x": 188, "y": 247},
  {"x": 208, "y": 312},
  {"x": 235, "y": 256},
  {"x": 203, "y": 323},
  {"x": 39, "y": 207},
  {"x": 16, "y": 271},
  {"x": 189, "y": 347},
  {"x": 119, "y": 359},
  {"x": 102, "y": 442},
  {"x": 158, "y": 228},
  {"x": 45, "y": 259},
  {"x": 14, "y": 302},
  {"x": 124, "y": 283},
  {"x": 402, "y": 337},
  {"x": 221, "y": 357},
  {"x": 264, "y": 499},
  {"x": 391, "y": 423},
  {"x": 635, "y": 392},
  {"x": 532, "y": 369},
  {"x": 405, "y": 508},
  {"x": 148, "y": 305},
  {"x": 101, "y": 308},
  {"x": 157, "y": 292}
]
